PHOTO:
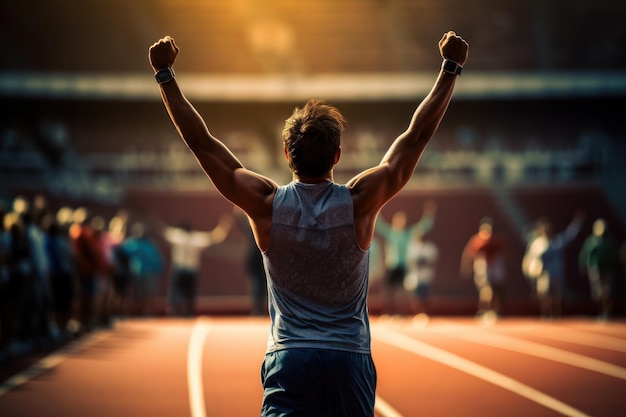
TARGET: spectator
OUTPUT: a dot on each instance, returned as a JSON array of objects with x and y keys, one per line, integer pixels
[
  {"x": 88, "y": 259},
  {"x": 17, "y": 287},
  {"x": 187, "y": 246},
  {"x": 396, "y": 240},
  {"x": 146, "y": 267},
  {"x": 550, "y": 265},
  {"x": 532, "y": 266},
  {"x": 120, "y": 264},
  {"x": 421, "y": 259},
  {"x": 62, "y": 270},
  {"x": 7, "y": 302},
  {"x": 484, "y": 258},
  {"x": 41, "y": 293},
  {"x": 103, "y": 291},
  {"x": 599, "y": 260}
]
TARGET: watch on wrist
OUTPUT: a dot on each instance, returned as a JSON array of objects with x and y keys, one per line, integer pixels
[
  {"x": 451, "y": 67},
  {"x": 164, "y": 75}
]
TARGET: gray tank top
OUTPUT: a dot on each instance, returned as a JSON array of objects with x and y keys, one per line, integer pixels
[{"x": 317, "y": 273}]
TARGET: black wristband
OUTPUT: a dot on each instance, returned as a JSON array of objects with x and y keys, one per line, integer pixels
[
  {"x": 451, "y": 67},
  {"x": 164, "y": 75}
]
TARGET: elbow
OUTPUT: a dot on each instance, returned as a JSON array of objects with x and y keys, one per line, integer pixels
[{"x": 193, "y": 138}]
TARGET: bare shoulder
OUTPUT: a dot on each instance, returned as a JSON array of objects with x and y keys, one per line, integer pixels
[
  {"x": 367, "y": 201},
  {"x": 369, "y": 191},
  {"x": 256, "y": 200}
]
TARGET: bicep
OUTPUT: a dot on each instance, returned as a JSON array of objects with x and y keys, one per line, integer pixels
[
  {"x": 226, "y": 172},
  {"x": 370, "y": 191},
  {"x": 250, "y": 191},
  {"x": 377, "y": 185}
]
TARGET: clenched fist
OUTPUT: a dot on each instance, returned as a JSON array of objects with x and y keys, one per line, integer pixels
[
  {"x": 163, "y": 53},
  {"x": 454, "y": 48}
]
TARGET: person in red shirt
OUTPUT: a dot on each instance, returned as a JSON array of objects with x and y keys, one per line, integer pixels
[{"x": 484, "y": 258}]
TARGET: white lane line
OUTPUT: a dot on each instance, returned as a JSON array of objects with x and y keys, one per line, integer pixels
[
  {"x": 588, "y": 339},
  {"x": 196, "y": 387},
  {"x": 383, "y": 408},
  {"x": 51, "y": 361},
  {"x": 194, "y": 368},
  {"x": 417, "y": 347},
  {"x": 515, "y": 344}
]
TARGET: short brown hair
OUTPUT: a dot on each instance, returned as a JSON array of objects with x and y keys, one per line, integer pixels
[{"x": 312, "y": 137}]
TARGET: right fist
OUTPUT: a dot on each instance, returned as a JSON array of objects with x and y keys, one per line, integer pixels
[
  {"x": 163, "y": 53},
  {"x": 453, "y": 47}
]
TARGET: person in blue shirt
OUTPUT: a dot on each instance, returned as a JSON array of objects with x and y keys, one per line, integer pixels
[
  {"x": 145, "y": 266},
  {"x": 551, "y": 281}
]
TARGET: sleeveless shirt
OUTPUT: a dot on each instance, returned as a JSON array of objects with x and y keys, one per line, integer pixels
[{"x": 317, "y": 273}]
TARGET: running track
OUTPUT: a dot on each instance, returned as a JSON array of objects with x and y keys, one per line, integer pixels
[{"x": 209, "y": 367}]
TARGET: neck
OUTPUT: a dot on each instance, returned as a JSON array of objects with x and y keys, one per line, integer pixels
[{"x": 313, "y": 180}]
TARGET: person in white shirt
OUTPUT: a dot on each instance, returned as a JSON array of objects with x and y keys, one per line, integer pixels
[
  {"x": 187, "y": 246},
  {"x": 421, "y": 259}
]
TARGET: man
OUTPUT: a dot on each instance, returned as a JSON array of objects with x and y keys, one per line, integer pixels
[
  {"x": 550, "y": 284},
  {"x": 599, "y": 260},
  {"x": 421, "y": 260},
  {"x": 187, "y": 246},
  {"x": 145, "y": 267},
  {"x": 397, "y": 237},
  {"x": 314, "y": 235},
  {"x": 484, "y": 259}
]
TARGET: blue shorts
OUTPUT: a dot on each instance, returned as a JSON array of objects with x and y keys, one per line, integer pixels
[{"x": 314, "y": 382}]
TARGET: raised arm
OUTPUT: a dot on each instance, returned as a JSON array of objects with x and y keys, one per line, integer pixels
[
  {"x": 372, "y": 188},
  {"x": 426, "y": 222},
  {"x": 244, "y": 188},
  {"x": 220, "y": 232}
]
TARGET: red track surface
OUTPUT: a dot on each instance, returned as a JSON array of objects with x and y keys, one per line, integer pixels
[{"x": 451, "y": 367}]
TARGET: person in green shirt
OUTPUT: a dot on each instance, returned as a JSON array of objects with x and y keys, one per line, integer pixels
[
  {"x": 599, "y": 260},
  {"x": 396, "y": 237}
]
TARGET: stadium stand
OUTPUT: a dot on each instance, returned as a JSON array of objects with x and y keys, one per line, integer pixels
[{"x": 537, "y": 127}]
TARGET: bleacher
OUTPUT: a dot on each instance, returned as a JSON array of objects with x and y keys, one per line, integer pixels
[{"x": 543, "y": 157}]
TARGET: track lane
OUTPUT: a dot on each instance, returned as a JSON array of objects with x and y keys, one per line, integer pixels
[
  {"x": 480, "y": 389},
  {"x": 231, "y": 365},
  {"x": 135, "y": 370},
  {"x": 145, "y": 367},
  {"x": 574, "y": 335},
  {"x": 589, "y": 392},
  {"x": 609, "y": 349}
]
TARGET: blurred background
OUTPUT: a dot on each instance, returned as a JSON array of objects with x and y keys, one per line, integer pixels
[{"x": 535, "y": 128}]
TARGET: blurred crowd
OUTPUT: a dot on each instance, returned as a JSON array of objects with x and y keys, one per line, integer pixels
[
  {"x": 409, "y": 263},
  {"x": 64, "y": 273}
]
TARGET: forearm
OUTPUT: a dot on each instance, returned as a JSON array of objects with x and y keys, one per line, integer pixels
[
  {"x": 382, "y": 182},
  {"x": 214, "y": 157},
  {"x": 221, "y": 231},
  {"x": 216, "y": 160},
  {"x": 572, "y": 230},
  {"x": 243, "y": 188},
  {"x": 430, "y": 112},
  {"x": 424, "y": 225},
  {"x": 405, "y": 152},
  {"x": 186, "y": 119}
]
